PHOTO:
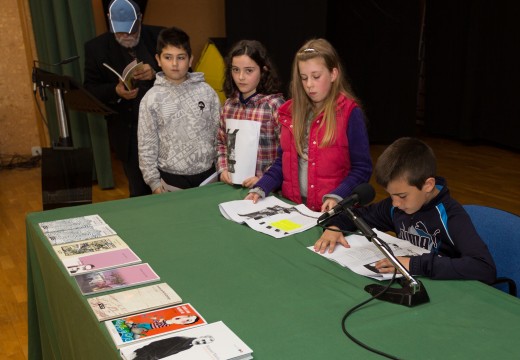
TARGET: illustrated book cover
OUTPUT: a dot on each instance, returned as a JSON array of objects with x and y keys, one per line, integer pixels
[
  {"x": 135, "y": 328},
  {"x": 127, "y": 76},
  {"x": 75, "y": 229},
  {"x": 78, "y": 248},
  {"x": 362, "y": 254},
  {"x": 271, "y": 216},
  {"x": 133, "y": 301},
  {"x": 207, "y": 342},
  {"x": 116, "y": 278},
  {"x": 91, "y": 262},
  {"x": 71, "y": 223}
]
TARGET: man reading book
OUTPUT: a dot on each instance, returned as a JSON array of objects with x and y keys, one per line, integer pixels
[{"x": 127, "y": 40}]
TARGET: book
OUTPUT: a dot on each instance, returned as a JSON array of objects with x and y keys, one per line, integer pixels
[
  {"x": 75, "y": 229},
  {"x": 271, "y": 216},
  {"x": 81, "y": 264},
  {"x": 133, "y": 301},
  {"x": 127, "y": 76},
  {"x": 116, "y": 278},
  {"x": 135, "y": 328},
  {"x": 362, "y": 254},
  {"x": 71, "y": 223},
  {"x": 207, "y": 342},
  {"x": 107, "y": 243}
]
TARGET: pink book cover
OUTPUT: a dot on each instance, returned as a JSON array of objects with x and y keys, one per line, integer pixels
[
  {"x": 117, "y": 278},
  {"x": 100, "y": 261}
]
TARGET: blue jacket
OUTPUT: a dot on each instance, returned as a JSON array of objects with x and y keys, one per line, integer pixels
[{"x": 441, "y": 226}]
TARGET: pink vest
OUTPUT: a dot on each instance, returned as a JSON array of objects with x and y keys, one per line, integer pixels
[{"x": 327, "y": 167}]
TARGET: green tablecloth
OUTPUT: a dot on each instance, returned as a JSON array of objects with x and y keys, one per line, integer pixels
[{"x": 283, "y": 300}]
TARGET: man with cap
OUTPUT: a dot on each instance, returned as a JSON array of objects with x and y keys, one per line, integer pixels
[{"x": 127, "y": 40}]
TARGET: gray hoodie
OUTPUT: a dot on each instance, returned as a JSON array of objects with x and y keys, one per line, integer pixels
[{"x": 177, "y": 128}]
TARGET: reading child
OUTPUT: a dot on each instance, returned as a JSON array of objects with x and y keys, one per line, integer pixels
[
  {"x": 324, "y": 150},
  {"x": 420, "y": 210},
  {"x": 252, "y": 89},
  {"x": 178, "y": 120}
]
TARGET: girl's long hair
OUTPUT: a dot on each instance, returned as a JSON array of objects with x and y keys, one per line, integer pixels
[{"x": 303, "y": 107}]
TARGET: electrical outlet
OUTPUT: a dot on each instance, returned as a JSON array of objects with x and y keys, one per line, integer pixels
[{"x": 36, "y": 151}]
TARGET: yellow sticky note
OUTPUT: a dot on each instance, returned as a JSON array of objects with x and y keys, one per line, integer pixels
[{"x": 285, "y": 225}]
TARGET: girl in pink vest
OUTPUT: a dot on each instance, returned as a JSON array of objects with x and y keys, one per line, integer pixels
[{"x": 324, "y": 151}]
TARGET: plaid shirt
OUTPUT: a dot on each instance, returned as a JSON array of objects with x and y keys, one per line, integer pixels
[{"x": 260, "y": 108}]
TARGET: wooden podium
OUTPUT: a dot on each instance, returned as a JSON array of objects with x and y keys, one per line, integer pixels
[{"x": 66, "y": 171}]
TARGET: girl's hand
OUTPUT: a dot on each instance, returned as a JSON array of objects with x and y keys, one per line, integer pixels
[
  {"x": 253, "y": 196},
  {"x": 250, "y": 182},
  {"x": 328, "y": 204},
  {"x": 225, "y": 177}
]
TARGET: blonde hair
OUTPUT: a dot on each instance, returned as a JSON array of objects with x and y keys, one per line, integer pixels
[{"x": 302, "y": 106}]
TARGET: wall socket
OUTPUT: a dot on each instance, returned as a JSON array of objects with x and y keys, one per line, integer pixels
[{"x": 36, "y": 151}]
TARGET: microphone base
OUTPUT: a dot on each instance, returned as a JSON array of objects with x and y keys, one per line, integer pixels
[{"x": 400, "y": 296}]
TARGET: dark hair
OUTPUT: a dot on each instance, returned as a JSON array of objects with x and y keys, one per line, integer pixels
[
  {"x": 269, "y": 81},
  {"x": 408, "y": 158},
  {"x": 173, "y": 36}
]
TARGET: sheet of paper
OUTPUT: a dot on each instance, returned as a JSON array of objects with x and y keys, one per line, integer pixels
[
  {"x": 242, "y": 146},
  {"x": 270, "y": 216},
  {"x": 363, "y": 254}
]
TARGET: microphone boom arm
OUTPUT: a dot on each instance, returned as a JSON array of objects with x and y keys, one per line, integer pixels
[{"x": 413, "y": 293}]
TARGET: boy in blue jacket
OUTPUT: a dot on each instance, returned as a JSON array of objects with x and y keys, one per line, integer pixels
[{"x": 420, "y": 210}]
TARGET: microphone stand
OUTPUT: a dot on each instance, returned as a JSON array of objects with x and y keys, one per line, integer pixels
[{"x": 412, "y": 292}]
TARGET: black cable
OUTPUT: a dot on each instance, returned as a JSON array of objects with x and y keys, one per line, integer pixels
[
  {"x": 19, "y": 161},
  {"x": 352, "y": 310}
]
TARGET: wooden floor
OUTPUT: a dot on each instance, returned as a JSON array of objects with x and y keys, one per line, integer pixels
[{"x": 476, "y": 175}]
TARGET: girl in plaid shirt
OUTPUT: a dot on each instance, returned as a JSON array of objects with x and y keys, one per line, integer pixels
[{"x": 251, "y": 86}]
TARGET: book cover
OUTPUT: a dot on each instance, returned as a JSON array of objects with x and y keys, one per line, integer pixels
[
  {"x": 100, "y": 261},
  {"x": 79, "y": 234},
  {"x": 71, "y": 223},
  {"x": 116, "y": 278},
  {"x": 78, "y": 248},
  {"x": 133, "y": 301},
  {"x": 207, "y": 342},
  {"x": 135, "y": 328},
  {"x": 127, "y": 76}
]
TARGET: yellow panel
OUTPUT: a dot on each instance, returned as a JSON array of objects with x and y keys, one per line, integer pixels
[{"x": 212, "y": 65}]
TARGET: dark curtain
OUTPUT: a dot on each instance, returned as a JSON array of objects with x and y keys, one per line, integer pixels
[
  {"x": 282, "y": 26},
  {"x": 471, "y": 70},
  {"x": 378, "y": 41},
  {"x": 61, "y": 28}
]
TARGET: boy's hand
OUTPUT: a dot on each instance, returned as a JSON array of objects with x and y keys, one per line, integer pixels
[
  {"x": 384, "y": 266},
  {"x": 330, "y": 239}
]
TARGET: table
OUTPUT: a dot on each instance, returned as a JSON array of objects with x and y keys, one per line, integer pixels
[{"x": 283, "y": 300}]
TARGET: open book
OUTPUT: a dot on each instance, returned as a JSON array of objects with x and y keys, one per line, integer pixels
[
  {"x": 127, "y": 76},
  {"x": 270, "y": 216},
  {"x": 362, "y": 254}
]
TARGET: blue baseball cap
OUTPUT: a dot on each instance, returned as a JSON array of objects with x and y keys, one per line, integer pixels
[{"x": 124, "y": 16}]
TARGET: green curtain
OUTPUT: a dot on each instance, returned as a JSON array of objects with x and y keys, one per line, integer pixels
[{"x": 61, "y": 28}]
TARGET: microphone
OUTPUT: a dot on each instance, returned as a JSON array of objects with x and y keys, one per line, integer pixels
[{"x": 362, "y": 194}]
